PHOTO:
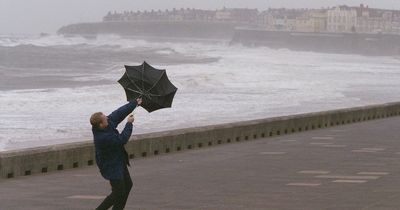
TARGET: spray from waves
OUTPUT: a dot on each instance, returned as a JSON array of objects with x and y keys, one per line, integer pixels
[
  {"x": 58, "y": 40},
  {"x": 40, "y": 41},
  {"x": 100, "y": 40},
  {"x": 161, "y": 46},
  {"x": 113, "y": 43}
]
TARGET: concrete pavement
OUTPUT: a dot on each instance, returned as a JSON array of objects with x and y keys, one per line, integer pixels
[{"x": 350, "y": 167}]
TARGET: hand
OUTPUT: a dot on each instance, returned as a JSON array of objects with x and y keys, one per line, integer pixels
[
  {"x": 131, "y": 118},
  {"x": 139, "y": 101}
]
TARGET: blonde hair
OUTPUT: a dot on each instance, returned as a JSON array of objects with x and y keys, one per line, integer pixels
[{"x": 95, "y": 119}]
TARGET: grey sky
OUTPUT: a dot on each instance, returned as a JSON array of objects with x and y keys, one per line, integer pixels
[{"x": 35, "y": 16}]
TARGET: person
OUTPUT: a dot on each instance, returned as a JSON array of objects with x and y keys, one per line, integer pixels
[{"x": 111, "y": 156}]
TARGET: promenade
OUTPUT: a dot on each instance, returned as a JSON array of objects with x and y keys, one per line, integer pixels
[{"x": 350, "y": 167}]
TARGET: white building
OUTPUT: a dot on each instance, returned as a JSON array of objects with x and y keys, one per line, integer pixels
[{"x": 342, "y": 19}]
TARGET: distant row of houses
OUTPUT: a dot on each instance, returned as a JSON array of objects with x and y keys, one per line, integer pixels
[{"x": 340, "y": 19}]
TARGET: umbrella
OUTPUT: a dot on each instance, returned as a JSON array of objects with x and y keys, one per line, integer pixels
[{"x": 149, "y": 83}]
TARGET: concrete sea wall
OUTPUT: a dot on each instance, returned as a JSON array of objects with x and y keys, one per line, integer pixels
[
  {"x": 74, "y": 155},
  {"x": 348, "y": 43}
]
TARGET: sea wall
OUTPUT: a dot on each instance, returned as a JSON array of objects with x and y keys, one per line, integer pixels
[
  {"x": 75, "y": 155},
  {"x": 349, "y": 43}
]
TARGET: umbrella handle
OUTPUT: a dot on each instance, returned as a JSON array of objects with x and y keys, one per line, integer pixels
[
  {"x": 136, "y": 104},
  {"x": 141, "y": 96}
]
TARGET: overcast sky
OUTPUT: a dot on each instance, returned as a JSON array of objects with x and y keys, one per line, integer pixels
[{"x": 36, "y": 16}]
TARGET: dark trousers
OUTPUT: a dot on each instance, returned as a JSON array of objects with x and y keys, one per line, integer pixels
[{"x": 119, "y": 193}]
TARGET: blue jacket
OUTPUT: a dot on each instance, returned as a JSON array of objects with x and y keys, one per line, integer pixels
[{"x": 111, "y": 156}]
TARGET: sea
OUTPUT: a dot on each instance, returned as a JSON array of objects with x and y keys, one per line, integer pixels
[{"x": 51, "y": 84}]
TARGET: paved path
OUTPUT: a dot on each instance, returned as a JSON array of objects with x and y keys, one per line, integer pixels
[{"x": 350, "y": 167}]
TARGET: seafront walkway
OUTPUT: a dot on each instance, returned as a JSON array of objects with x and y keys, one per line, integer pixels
[{"x": 349, "y": 167}]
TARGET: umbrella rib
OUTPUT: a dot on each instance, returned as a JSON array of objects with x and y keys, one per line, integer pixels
[
  {"x": 134, "y": 83},
  {"x": 151, "y": 94},
  {"x": 142, "y": 77},
  {"x": 141, "y": 93},
  {"x": 156, "y": 102},
  {"x": 155, "y": 83}
]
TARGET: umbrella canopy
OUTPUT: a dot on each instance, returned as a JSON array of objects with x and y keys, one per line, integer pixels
[{"x": 149, "y": 83}]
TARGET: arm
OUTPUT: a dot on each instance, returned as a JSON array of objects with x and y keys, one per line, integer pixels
[
  {"x": 124, "y": 136},
  {"x": 126, "y": 133},
  {"x": 118, "y": 115}
]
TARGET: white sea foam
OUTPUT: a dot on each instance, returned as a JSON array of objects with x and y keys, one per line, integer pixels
[
  {"x": 57, "y": 40},
  {"x": 100, "y": 40},
  {"x": 246, "y": 83}
]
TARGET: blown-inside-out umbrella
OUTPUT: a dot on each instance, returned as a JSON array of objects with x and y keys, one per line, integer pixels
[{"x": 150, "y": 84}]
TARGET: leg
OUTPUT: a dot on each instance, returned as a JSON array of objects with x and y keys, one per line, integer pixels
[
  {"x": 128, "y": 181},
  {"x": 117, "y": 194},
  {"x": 127, "y": 186}
]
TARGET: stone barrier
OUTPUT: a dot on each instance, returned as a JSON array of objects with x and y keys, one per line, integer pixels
[{"x": 75, "y": 155}]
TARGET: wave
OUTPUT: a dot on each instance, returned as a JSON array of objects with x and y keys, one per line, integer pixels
[
  {"x": 57, "y": 45},
  {"x": 99, "y": 40},
  {"x": 59, "y": 40}
]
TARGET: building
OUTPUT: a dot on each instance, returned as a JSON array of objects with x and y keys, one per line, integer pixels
[
  {"x": 237, "y": 15},
  {"x": 319, "y": 19},
  {"x": 265, "y": 20},
  {"x": 377, "y": 20},
  {"x": 396, "y": 23},
  {"x": 311, "y": 21},
  {"x": 223, "y": 15},
  {"x": 279, "y": 19},
  {"x": 304, "y": 23},
  {"x": 341, "y": 19}
]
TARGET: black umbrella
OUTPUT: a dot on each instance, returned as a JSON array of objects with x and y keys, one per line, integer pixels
[{"x": 149, "y": 83}]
